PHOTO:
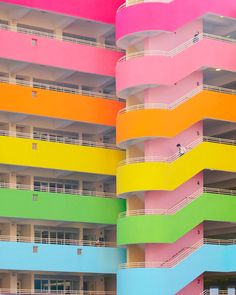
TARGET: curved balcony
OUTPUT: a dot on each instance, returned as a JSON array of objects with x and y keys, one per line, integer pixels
[
  {"x": 52, "y": 155},
  {"x": 153, "y": 173},
  {"x": 135, "y": 280},
  {"x": 153, "y": 68},
  {"x": 139, "y": 122},
  {"x": 214, "y": 205},
  {"x": 60, "y": 258},
  {"x": 31, "y": 203},
  {"x": 145, "y": 17}
]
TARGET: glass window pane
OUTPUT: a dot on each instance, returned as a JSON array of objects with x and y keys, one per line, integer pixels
[
  {"x": 44, "y": 284},
  {"x": 37, "y": 285}
]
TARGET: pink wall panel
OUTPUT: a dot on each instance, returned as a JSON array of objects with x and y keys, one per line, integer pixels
[
  {"x": 58, "y": 53},
  {"x": 168, "y": 17},
  {"x": 156, "y": 69},
  {"x": 99, "y": 10},
  {"x": 194, "y": 288},
  {"x": 168, "y": 199},
  {"x": 163, "y": 252},
  {"x": 167, "y": 146},
  {"x": 172, "y": 93},
  {"x": 166, "y": 41}
]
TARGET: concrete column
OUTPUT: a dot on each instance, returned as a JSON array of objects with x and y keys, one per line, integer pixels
[
  {"x": 13, "y": 281},
  {"x": 101, "y": 40},
  {"x": 12, "y": 179},
  {"x": 59, "y": 34},
  {"x": 13, "y": 24},
  {"x": 12, "y": 78},
  {"x": 99, "y": 283}
]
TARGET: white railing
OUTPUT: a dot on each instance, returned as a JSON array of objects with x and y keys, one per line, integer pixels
[
  {"x": 61, "y": 139},
  {"x": 59, "y": 37},
  {"x": 134, "y": 2},
  {"x": 57, "y": 190},
  {"x": 57, "y": 88},
  {"x": 177, "y": 257},
  {"x": 220, "y": 292},
  {"x": 179, "y": 101},
  {"x": 176, "y": 155},
  {"x": 180, "y": 48},
  {"x": 47, "y": 292},
  {"x": 71, "y": 242},
  {"x": 178, "y": 206}
]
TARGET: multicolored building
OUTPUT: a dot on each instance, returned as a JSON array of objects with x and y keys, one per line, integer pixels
[{"x": 117, "y": 147}]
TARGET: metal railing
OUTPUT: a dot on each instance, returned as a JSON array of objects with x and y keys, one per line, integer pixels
[
  {"x": 43, "y": 34},
  {"x": 177, "y": 257},
  {"x": 48, "y": 292},
  {"x": 57, "y": 190},
  {"x": 53, "y": 241},
  {"x": 134, "y": 2},
  {"x": 179, "y": 101},
  {"x": 57, "y": 88},
  {"x": 61, "y": 139},
  {"x": 178, "y": 206},
  {"x": 180, "y": 48},
  {"x": 220, "y": 292},
  {"x": 176, "y": 155}
]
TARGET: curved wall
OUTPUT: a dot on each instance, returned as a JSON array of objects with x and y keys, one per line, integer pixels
[{"x": 154, "y": 16}]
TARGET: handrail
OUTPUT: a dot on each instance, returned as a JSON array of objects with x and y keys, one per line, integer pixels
[
  {"x": 58, "y": 37},
  {"x": 220, "y": 292},
  {"x": 126, "y": 4},
  {"x": 178, "y": 257},
  {"x": 57, "y": 190},
  {"x": 53, "y": 241},
  {"x": 63, "y": 139},
  {"x": 52, "y": 292},
  {"x": 176, "y": 155},
  {"x": 58, "y": 88},
  {"x": 179, "y": 101},
  {"x": 180, "y": 48},
  {"x": 178, "y": 206}
]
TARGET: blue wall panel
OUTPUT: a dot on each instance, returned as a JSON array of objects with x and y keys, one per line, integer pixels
[{"x": 20, "y": 256}]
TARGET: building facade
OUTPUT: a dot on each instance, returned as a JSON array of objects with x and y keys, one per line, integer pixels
[{"x": 117, "y": 147}]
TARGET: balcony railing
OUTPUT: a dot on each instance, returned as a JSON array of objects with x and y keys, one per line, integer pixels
[
  {"x": 61, "y": 139},
  {"x": 177, "y": 257},
  {"x": 176, "y": 155},
  {"x": 180, "y": 48},
  {"x": 180, "y": 205},
  {"x": 48, "y": 292},
  {"x": 178, "y": 102},
  {"x": 57, "y": 190},
  {"x": 220, "y": 292},
  {"x": 52, "y": 241},
  {"x": 134, "y": 2},
  {"x": 58, "y": 37},
  {"x": 54, "y": 87}
]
